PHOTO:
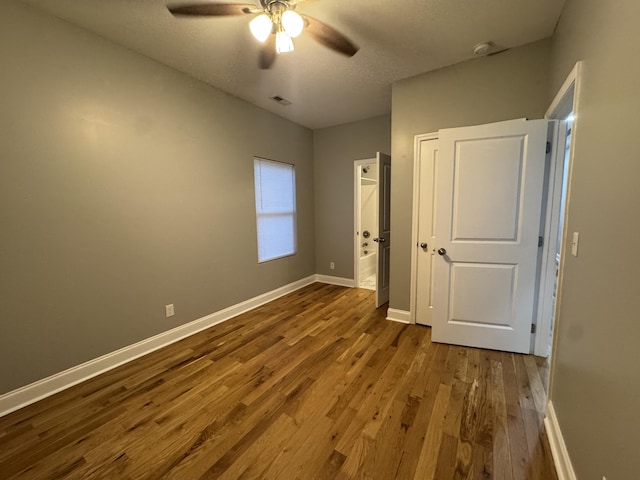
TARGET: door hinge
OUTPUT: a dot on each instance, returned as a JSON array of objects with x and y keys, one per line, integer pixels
[
  {"x": 548, "y": 147},
  {"x": 540, "y": 241},
  {"x": 533, "y": 328}
]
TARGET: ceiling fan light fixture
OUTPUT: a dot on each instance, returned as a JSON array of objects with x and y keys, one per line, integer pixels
[
  {"x": 274, "y": 23},
  {"x": 292, "y": 23},
  {"x": 284, "y": 43},
  {"x": 261, "y": 27}
]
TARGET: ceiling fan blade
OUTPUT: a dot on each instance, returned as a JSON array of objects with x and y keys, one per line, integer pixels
[
  {"x": 329, "y": 36},
  {"x": 267, "y": 54},
  {"x": 213, "y": 9}
]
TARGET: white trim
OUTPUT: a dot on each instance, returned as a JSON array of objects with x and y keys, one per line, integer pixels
[
  {"x": 341, "y": 282},
  {"x": 565, "y": 101},
  {"x": 561, "y": 459},
  {"x": 575, "y": 132},
  {"x": 569, "y": 88},
  {"x": 400, "y": 316},
  {"x": 415, "y": 215},
  {"x": 21, "y": 397}
]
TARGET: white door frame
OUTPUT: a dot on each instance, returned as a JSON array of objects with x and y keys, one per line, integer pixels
[
  {"x": 417, "y": 143},
  {"x": 357, "y": 239},
  {"x": 565, "y": 102}
]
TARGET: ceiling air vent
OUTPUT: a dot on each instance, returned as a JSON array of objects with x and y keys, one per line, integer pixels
[{"x": 281, "y": 100}]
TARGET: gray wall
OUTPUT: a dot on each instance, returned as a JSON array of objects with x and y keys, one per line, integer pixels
[
  {"x": 124, "y": 186},
  {"x": 513, "y": 84},
  {"x": 334, "y": 151},
  {"x": 596, "y": 380}
]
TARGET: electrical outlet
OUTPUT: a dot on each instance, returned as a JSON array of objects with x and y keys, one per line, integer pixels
[
  {"x": 169, "y": 311},
  {"x": 332, "y": 265}
]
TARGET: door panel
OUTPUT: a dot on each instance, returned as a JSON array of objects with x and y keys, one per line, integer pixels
[
  {"x": 426, "y": 235},
  {"x": 383, "y": 165},
  {"x": 487, "y": 214},
  {"x": 488, "y": 206},
  {"x": 482, "y": 294}
]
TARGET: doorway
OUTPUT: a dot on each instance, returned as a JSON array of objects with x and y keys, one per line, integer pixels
[
  {"x": 564, "y": 110},
  {"x": 366, "y": 219},
  {"x": 372, "y": 214},
  {"x": 552, "y": 236}
]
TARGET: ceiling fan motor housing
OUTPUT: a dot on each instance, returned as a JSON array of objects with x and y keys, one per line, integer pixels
[{"x": 277, "y": 5}]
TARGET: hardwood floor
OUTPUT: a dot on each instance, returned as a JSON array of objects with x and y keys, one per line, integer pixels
[{"x": 315, "y": 385}]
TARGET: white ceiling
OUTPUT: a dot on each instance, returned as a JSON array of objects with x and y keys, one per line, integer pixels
[{"x": 397, "y": 39}]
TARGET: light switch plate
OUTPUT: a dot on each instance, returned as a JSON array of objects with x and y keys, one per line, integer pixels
[{"x": 574, "y": 244}]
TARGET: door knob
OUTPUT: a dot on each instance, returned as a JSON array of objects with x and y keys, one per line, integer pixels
[
  {"x": 424, "y": 245},
  {"x": 380, "y": 240},
  {"x": 442, "y": 251}
]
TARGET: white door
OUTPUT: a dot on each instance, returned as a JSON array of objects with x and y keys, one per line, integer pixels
[
  {"x": 488, "y": 219},
  {"x": 426, "y": 234},
  {"x": 383, "y": 165}
]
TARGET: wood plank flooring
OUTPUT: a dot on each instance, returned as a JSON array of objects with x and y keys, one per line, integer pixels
[{"x": 315, "y": 385}]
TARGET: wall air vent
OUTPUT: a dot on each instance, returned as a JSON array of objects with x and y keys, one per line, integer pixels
[{"x": 281, "y": 100}]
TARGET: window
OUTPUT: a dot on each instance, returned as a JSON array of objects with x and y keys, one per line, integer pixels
[{"x": 275, "y": 208}]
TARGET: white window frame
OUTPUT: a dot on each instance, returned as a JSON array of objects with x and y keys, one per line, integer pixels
[{"x": 264, "y": 212}]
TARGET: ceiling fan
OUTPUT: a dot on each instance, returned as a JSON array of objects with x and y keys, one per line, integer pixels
[{"x": 275, "y": 24}]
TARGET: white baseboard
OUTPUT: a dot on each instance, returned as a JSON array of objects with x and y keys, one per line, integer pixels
[
  {"x": 46, "y": 387},
  {"x": 401, "y": 316},
  {"x": 340, "y": 281},
  {"x": 561, "y": 459}
]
